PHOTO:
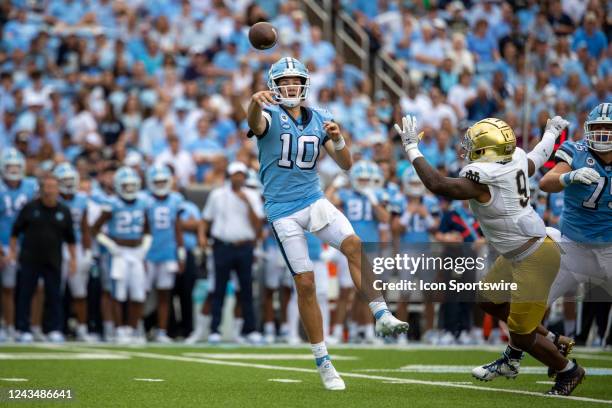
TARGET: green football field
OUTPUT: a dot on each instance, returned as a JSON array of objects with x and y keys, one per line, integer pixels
[{"x": 234, "y": 376}]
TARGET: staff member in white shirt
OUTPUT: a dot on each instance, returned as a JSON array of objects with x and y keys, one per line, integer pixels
[{"x": 236, "y": 214}]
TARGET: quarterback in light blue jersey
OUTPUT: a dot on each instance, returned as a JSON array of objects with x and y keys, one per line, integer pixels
[
  {"x": 584, "y": 173},
  {"x": 128, "y": 241},
  {"x": 15, "y": 191},
  {"x": 167, "y": 253},
  {"x": 290, "y": 138},
  {"x": 77, "y": 201}
]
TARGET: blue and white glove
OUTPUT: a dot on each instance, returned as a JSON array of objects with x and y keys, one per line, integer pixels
[
  {"x": 584, "y": 175},
  {"x": 410, "y": 137}
]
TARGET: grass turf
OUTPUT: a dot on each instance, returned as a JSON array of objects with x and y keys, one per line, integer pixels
[{"x": 189, "y": 383}]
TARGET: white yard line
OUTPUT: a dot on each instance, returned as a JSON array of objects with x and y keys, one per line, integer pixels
[{"x": 346, "y": 375}]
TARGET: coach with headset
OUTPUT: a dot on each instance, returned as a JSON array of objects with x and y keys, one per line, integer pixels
[{"x": 234, "y": 215}]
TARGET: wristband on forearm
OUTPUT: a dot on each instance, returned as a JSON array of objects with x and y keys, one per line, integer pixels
[{"x": 339, "y": 144}]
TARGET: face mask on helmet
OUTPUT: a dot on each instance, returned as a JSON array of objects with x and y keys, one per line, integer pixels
[
  {"x": 13, "y": 165},
  {"x": 161, "y": 186},
  {"x": 129, "y": 190},
  {"x": 599, "y": 136},
  {"x": 286, "y": 92},
  {"x": 68, "y": 184},
  {"x": 291, "y": 95},
  {"x": 127, "y": 183},
  {"x": 598, "y": 128}
]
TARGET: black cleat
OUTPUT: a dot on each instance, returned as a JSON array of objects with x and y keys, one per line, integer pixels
[
  {"x": 566, "y": 382},
  {"x": 564, "y": 345}
]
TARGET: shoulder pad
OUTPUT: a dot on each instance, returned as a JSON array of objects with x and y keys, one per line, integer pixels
[{"x": 568, "y": 150}]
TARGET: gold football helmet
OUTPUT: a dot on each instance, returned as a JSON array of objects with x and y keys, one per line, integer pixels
[{"x": 489, "y": 140}]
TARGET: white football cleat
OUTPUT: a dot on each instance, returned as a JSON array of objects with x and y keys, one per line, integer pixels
[
  {"x": 329, "y": 376},
  {"x": 56, "y": 337},
  {"x": 196, "y": 336},
  {"x": 162, "y": 337},
  {"x": 502, "y": 367},
  {"x": 25, "y": 337},
  {"x": 388, "y": 325},
  {"x": 214, "y": 338}
]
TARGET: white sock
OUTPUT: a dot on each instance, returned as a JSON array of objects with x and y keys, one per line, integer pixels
[
  {"x": 319, "y": 350},
  {"x": 368, "y": 331},
  {"x": 108, "y": 327},
  {"x": 284, "y": 329},
  {"x": 337, "y": 331},
  {"x": 378, "y": 307},
  {"x": 569, "y": 366},
  {"x": 81, "y": 329},
  {"x": 269, "y": 328},
  {"x": 353, "y": 329}
]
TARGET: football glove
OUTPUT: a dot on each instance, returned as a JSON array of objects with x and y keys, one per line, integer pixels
[
  {"x": 555, "y": 126},
  {"x": 584, "y": 175},
  {"x": 410, "y": 138}
]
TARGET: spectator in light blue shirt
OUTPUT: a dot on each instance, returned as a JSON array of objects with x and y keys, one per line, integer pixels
[
  {"x": 321, "y": 52},
  {"x": 205, "y": 148},
  {"x": 227, "y": 59},
  {"x": 152, "y": 134},
  {"x": 18, "y": 32},
  {"x": 67, "y": 11},
  {"x": 590, "y": 34},
  {"x": 483, "y": 46}
]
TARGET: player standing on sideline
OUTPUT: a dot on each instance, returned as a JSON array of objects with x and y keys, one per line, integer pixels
[
  {"x": 77, "y": 202},
  {"x": 15, "y": 191},
  {"x": 128, "y": 242},
  {"x": 167, "y": 255},
  {"x": 289, "y": 137},
  {"x": 495, "y": 182}
]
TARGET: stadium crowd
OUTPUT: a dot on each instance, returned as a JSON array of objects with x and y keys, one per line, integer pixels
[{"x": 101, "y": 84}]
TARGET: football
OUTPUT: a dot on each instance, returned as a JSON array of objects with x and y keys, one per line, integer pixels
[{"x": 263, "y": 36}]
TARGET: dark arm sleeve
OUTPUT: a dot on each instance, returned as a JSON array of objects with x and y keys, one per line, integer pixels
[
  {"x": 69, "y": 236},
  {"x": 21, "y": 221}
]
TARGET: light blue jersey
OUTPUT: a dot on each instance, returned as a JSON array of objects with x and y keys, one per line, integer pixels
[
  {"x": 358, "y": 210},
  {"x": 587, "y": 211},
  {"x": 163, "y": 214},
  {"x": 78, "y": 206},
  {"x": 12, "y": 201},
  {"x": 128, "y": 218},
  {"x": 188, "y": 211},
  {"x": 288, "y": 153}
]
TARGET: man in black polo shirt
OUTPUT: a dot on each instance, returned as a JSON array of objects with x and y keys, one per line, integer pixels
[{"x": 43, "y": 225}]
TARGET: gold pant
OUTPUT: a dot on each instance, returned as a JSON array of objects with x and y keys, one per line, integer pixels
[{"x": 534, "y": 276}]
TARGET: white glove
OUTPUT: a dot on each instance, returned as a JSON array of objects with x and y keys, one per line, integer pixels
[
  {"x": 555, "y": 126},
  {"x": 410, "y": 138},
  {"x": 108, "y": 243},
  {"x": 584, "y": 175},
  {"x": 370, "y": 194},
  {"x": 340, "y": 181}
]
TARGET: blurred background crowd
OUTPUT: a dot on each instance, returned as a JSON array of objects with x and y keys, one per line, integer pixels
[{"x": 100, "y": 83}]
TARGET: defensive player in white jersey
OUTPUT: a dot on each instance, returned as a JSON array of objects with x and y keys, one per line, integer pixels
[
  {"x": 495, "y": 182},
  {"x": 290, "y": 137}
]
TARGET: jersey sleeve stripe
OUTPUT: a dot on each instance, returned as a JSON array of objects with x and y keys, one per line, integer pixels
[
  {"x": 562, "y": 155},
  {"x": 268, "y": 119}
]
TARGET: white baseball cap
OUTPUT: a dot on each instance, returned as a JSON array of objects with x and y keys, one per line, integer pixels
[{"x": 237, "y": 167}]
